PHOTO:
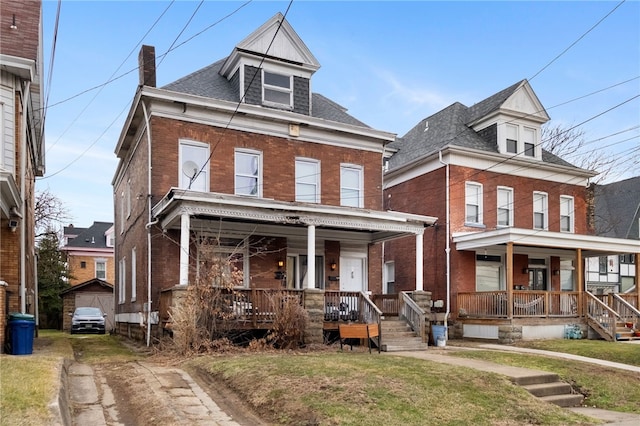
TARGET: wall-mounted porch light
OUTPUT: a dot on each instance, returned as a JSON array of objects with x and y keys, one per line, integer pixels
[
  {"x": 333, "y": 265},
  {"x": 280, "y": 263}
]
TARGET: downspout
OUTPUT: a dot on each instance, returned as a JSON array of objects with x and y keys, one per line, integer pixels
[
  {"x": 23, "y": 177},
  {"x": 149, "y": 223},
  {"x": 447, "y": 249}
]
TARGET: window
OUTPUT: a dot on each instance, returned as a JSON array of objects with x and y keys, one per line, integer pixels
[
  {"x": 83, "y": 265},
  {"x": 194, "y": 166},
  {"x": 540, "y": 219},
  {"x": 473, "y": 202},
  {"x": 248, "y": 173},
  {"x": 122, "y": 279},
  {"x": 512, "y": 139},
  {"x": 489, "y": 273},
  {"x": 308, "y": 181},
  {"x": 133, "y": 274},
  {"x": 128, "y": 197},
  {"x": 351, "y": 186},
  {"x": 122, "y": 212},
  {"x": 505, "y": 206},
  {"x": 566, "y": 213},
  {"x": 627, "y": 259},
  {"x": 101, "y": 269},
  {"x": 529, "y": 138},
  {"x": 390, "y": 277},
  {"x": 602, "y": 265},
  {"x": 277, "y": 89}
]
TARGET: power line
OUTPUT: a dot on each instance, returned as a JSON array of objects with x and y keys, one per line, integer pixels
[{"x": 579, "y": 38}]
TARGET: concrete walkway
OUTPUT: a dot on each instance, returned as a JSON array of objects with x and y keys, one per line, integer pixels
[{"x": 518, "y": 374}]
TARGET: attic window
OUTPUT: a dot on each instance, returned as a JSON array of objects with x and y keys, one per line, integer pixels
[{"x": 277, "y": 89}]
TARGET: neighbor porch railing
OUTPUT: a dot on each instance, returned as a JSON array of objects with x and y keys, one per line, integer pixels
[
  {"x": 628, "y": 313},
  {"x": 258, "y": 305},
  {"x": 352, "y": 306},
  {"x": 601, "y": 317},
  {"x": 389, "y": 304},
  {"x": 414, "y": 315},
  {"x": 493, "y": 304}
]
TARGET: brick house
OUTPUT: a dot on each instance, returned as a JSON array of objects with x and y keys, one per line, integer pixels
[
  {"x": 89, "y": 252},
  {"x": 242, "y": 151},
  {"x": 506, "y": 256},
  {"x": 21, "y": 153}
]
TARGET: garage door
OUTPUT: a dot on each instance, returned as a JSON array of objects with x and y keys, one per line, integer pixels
[{"x": 103, "y": 301}]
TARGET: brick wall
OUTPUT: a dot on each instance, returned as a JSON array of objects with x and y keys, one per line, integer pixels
[
  {"x": 80, "y": 274},
  {"x": 22, "y": 41}
]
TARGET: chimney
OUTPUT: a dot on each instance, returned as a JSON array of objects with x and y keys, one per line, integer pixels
[{"x": 147, "y": 66}]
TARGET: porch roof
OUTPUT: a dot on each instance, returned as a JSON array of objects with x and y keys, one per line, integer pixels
[
  {"x": 363, "y": 224},
  {"x": 591, "y": 245}
]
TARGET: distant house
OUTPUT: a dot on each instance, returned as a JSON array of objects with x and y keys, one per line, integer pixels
[
  {"x": 617, "y": 214},
  {"x": 21, "y": 153},
  {"x": 90, "y": 252},
  {"x": 243, "y": 153},
  {"x": 505, "y": 259}
]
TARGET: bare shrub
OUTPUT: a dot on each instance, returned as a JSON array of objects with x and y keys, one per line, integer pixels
[{"x": 290, "y": 321}]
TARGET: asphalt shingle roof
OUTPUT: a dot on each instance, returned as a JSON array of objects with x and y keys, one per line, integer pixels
[
  {"x": 93, "y": 236},
  {"x": 209, "y": 83},
  {"x": 617, "y": 209}
]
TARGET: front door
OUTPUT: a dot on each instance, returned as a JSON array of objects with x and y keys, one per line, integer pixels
[
  {"x": 538, "y": 279},
  {"x": 352, "y": 274}
]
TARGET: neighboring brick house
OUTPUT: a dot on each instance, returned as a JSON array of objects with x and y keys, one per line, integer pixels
[
  {"x": 21, "y": 152},
  {"x": 505, "y": 258},
  {"x": 617, "y": 215},
  {"x": 244, "y": 152},
  {"x": 90, "y": 252}
]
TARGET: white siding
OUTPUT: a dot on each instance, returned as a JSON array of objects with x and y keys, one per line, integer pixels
[{"x": 7, "y": 121}]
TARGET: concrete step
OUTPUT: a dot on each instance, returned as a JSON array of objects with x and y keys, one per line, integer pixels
[
  {"x": 549, "y": 389},
  {"x": 398, "y": 334},
  {"x": 535, "y": 379},
  {"x": 567, "y": 400},
  {"x": 401, "y": 346}
]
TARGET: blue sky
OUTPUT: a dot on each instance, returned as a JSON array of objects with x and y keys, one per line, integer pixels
[{"x": 390, "y": 64}]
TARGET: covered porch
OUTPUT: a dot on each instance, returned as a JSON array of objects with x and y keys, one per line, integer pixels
[{"x": 530, "y": 284}]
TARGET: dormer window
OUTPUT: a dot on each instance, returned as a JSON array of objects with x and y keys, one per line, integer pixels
[
  {"x": 520, "y": 140},
  {"x": 277, "y": 89}
]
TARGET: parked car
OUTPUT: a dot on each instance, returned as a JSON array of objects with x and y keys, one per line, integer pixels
[{"x": 88, "y": 320}]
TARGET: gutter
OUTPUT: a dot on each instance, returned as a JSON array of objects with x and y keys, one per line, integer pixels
[
  {"x": 447, "y": 249},
  {"x": 149, "y": 223},
  {"x": 26, "y": 91}
]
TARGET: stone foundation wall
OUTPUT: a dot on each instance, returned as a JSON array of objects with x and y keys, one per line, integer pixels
[
  {"x": 314, "y": 305},
  {"x": 508, "y": 334}
]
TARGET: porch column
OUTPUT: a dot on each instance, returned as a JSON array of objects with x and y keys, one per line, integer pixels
[
  {"x": 580, "y": 281},
  {"x": 419, "y": 262},
  {"x": 185, "y": 223},
  {"x": 311, "y": 256},
  {"x": 509, "y": 279}
]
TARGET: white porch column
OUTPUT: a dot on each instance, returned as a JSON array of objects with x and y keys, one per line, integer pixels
[
  {"x": 311, "y": 256},
  {"x": 419, "y": 262},
  {"x": 185, "y": 223}
]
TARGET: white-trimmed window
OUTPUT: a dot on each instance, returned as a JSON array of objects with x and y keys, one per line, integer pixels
[
  {"x": 512, "y": 139},
  {"x": 390, "y": 277},
  {"x": 248, "y": 173},
  {"x": 133, "y": 274},
  {"x": 122, "y": 279},
  {"x": 529, "y": 139},
  {"x": 307, "y": 180},
  {"x": 277, "y": 89},
  {"x": 122, "y": 212},
  {"x": 128, "y": 197},
  {"x": 351, "y": 186},
  {"x": 101, "y": 269},
  {"x": 505, "y": 206},
  {"x": 540, "y": 210},
  {"x": 489, "y": 273},
  {"x": 566, "y": 214},
  {"x": 473, "y": 203},
  {"x": 193, "y": 172}
]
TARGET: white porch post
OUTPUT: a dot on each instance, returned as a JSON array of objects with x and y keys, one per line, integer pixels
[
  {"x": 419, "y": 262},
  {"x": 311, "y": 256},
  {"x": 185, "y": 223}
]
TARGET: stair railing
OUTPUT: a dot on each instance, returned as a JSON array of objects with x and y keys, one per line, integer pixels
[
  {"x": 371, "y": 314},
  {"x": 603, "y": 319},
  {"x": 414, "y": 315},
  {"x": 627, "y": 312}
]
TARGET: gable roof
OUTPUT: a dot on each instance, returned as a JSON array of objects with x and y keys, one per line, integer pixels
[
  {"x": 93, "y": 282},
  {"x": 452, "y": 126},
  {"x": 209, "y": 83},
  {"x": 93, "y": 236},
  {"x": 617, "y": 209}
]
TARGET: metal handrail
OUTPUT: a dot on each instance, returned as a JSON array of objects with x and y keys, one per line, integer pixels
[{"x": 414, "y": 315}]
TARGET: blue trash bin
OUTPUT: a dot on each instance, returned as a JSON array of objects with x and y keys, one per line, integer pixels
[
  {"x": 439, "y": 335},
  {"x": 21, "y": 331}
]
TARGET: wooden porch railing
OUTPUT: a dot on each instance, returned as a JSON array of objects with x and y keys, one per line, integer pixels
[
  {"x": 389, "y": 304},
  {"x": 350, "y": 306},
  {"x": 601, "y": 317},
  {"x": 258, "y": 305},
  {"x": 628, "y": 313},
  {"x": 493, "y": 304},
  {"x": 414, "y": 315}
]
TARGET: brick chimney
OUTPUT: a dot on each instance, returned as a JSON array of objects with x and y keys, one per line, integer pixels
[{"x": 147, "y": 66}]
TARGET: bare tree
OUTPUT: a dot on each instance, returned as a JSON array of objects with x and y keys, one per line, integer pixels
[
  {"x": 568, "y": 143},
  {"x": 49, "y": 212}
]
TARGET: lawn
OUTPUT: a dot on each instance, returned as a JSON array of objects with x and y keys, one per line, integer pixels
[{"x": 624, "y": 353}]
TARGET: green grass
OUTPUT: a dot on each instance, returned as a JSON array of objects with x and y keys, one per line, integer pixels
[
  {"x": 28, "y": 383},
  {"x": 624, "y": 353},
  {"x": 361, "y": 389},
  {"x": 603, "y": 387},
  {"x": 100, "y": 348}
]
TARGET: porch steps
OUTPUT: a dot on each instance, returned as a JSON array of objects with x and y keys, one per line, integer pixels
[
  {"x": 396, "y": 335},
  {"x": 549, "y": 388}
]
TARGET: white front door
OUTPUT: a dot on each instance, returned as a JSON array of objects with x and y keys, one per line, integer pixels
[{"x": 352, "y": 274}]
